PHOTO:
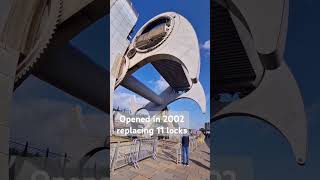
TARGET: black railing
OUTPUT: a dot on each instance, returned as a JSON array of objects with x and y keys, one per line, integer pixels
[{"x": 20, "y": 149}]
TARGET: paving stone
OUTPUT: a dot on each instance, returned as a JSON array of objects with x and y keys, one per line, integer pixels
[
  {"x": 120, "y": 177},
  {"x": 192, "y": 177},
  {"x": 153, "y": 164},
  {"x": 180, "y": 176},
  {"x": 145, "y": 171},
  {"x": 162, "y": 176},
  {"x": 140, "y": 178},
  {"x": 127, "y": 173}
]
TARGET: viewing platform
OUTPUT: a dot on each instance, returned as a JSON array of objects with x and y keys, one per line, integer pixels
[{"x": 165, "y": 167}]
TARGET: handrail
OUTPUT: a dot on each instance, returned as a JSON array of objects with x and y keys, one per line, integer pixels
[
  {"x": 33, "y": 150},
  {"x": 135, "y": 151}
]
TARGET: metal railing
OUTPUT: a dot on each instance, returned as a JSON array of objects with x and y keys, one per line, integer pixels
[
  {"x": 173, "y": 149},
  {"x": 20, "y": 149},
  {"x": 130, "y": 153}
]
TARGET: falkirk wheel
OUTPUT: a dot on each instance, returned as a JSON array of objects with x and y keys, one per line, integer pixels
[
  {"x": 169, "y": 42},
  {"x": 248, "y": 58},
  {"x": 34, "y": 39}
]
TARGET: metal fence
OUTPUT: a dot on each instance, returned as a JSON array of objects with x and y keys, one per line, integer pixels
[
  {"x": 130, "y": 153},
  {"x": 24, "y": 149},
  {"x": 173, "y": 149}
]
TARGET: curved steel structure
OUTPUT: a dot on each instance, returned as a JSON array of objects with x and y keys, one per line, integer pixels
[{"x": 255, "y": 68}]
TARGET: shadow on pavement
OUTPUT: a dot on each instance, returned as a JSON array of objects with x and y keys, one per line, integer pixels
[{"x": 200, "y": 164}]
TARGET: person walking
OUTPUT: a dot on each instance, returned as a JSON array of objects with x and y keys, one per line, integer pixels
[{"x": 185, "y": 150}]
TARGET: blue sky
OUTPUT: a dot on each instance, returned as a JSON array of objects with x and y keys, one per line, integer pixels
[{"x": 198, "y": 13}]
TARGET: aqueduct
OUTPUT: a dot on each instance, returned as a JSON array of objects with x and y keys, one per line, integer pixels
[{"x": 169, "y": 42}]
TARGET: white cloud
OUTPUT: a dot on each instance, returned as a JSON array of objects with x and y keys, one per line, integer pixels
[
  {"x": 123, "y": 100},
  {"x": 161, "y": 85},
  {"x": 206, "y": 45}
]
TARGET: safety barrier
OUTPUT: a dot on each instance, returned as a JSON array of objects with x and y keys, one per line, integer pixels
[
  {"x": 130, "y": 153},
  {"x": 172, "y": 149}
]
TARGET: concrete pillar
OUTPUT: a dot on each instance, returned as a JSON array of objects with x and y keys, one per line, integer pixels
[{"x": 8, "y": 63}]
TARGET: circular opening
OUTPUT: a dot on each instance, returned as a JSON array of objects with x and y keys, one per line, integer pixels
[
  {"x": 157, "y": 24},
  {"x": 153, "y": 34},
  {"x": 131, "y": 53}
]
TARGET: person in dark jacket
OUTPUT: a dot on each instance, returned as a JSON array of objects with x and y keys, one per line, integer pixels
[{"x": 185, "y": 149}]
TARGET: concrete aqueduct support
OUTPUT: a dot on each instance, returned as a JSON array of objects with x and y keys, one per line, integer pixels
[
  {"x": 169, "y": 42},
  {"x": 255, "y": 68}
]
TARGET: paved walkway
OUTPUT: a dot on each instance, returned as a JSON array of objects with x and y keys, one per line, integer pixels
[{"x": 164, "y": 169}]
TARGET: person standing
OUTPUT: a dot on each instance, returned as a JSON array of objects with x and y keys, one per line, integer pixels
[{"x": 185, "y": 150}]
